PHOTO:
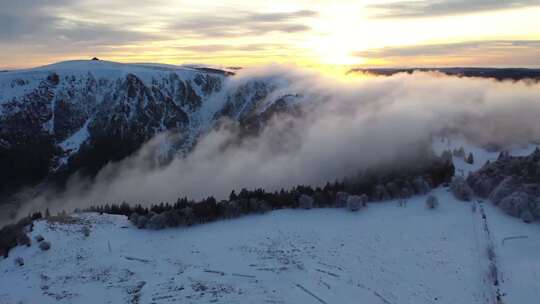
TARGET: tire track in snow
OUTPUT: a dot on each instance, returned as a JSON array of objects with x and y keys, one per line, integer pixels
[{"x": 493, "y": 271}]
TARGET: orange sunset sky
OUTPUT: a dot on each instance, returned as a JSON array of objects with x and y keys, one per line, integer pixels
[{"x": 372, "y": 33}]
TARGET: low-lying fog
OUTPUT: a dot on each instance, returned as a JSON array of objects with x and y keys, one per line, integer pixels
[{"x": 347, "y": 126}]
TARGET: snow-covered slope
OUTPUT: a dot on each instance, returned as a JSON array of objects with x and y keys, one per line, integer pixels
[
  {"x": 80, "y": 115},
  {"x": 460, "y": 252},
  {"x": 384, "y": 254}
]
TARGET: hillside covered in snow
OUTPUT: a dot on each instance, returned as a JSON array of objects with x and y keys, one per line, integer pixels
[
  {"x": 77, "y": 116},
  {"x": 393, "y": 251}
]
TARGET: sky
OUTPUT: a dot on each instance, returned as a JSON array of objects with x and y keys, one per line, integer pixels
[{"x": 313, "y": 33}]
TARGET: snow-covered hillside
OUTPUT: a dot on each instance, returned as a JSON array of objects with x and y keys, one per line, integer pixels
[
  {"x": 79, "y": 115},
  {"x": 460, "y": 252},
  {"x": 384, "y": 254}
]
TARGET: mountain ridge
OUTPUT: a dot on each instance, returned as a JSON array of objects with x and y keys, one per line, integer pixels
[{"x": 77, "y": 116}]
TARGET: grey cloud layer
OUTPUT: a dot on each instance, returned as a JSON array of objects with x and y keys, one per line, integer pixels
[
  {"x": 518, "y": 51},
  {"x": 416, "y": 9},
  {"x": 242, "y": 23},
  {"x": 56, "y": 26},
  {"x": 40, "y": 23}
]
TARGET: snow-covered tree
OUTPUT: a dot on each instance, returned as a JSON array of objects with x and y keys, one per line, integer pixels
[
  {"x": 506, "y": 187},
  {"x": 516, "y": 203},
  {"x": 460, "y": 152},
  {"x": 157, "y": 222},
  {"x": 461, "y": 189}
]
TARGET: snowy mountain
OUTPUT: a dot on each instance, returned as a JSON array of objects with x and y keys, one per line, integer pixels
[{"x": 79, "y": 115}]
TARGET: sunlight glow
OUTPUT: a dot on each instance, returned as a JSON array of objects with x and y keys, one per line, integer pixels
[{"x": 308, "y": 33}]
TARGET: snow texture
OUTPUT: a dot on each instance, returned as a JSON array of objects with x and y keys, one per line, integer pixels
[{"x": 383, "y": 254}]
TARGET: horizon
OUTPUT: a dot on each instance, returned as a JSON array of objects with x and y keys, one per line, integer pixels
[
  {"x": 325, "y": 35},
  {"x": 340, "y": 68}
]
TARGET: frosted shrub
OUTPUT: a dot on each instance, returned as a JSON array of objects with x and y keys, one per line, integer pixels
[
  {"x": 460, "y": 189},
  {"x": 420, "y": 185},
  {"x": 516, "y": 203},
  {"x": 381, "y": 193},
  {"x": 264, "y": 207},
  {"x": 142, "y": 220},
  {"x": 232, "y": 209},
  {"x": 355, "y": 202},
  {"x": 504, "y": 189},
  {"x": 85, "y": 231},
  {"x": 157, "y": 222},
  {"x": 305, "y": 202},
  {"x": 189, "y": 217},
  {"x": 44, "y": 246},
  {"x": 19, "y": 261},
  {"x": 341, "y": 199},
  {"x": 526, "y": 216},
  {"x": 133, "y": 218},
  {"x": 432, "y": 202}
]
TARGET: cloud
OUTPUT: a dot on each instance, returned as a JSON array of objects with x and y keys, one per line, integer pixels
[
  {"x": 432, "y": 8},
  {"x": 238, "y": 23},
  {"x": 490, "y": 52},
  {"x": 47, "y": 30},
  {"x": 217, "y": 48},
  {"x": 344, "y": 128},
  {"x": 40, "y": 24}
]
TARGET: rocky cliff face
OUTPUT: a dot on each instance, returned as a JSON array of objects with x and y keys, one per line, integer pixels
[{"x": 80, "y": 115}]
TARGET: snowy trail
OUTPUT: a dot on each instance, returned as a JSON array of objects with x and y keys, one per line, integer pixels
[{"x": 492, "y": 272}]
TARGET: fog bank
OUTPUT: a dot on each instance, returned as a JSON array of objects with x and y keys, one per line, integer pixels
[{"x": 346, "y": 126}]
